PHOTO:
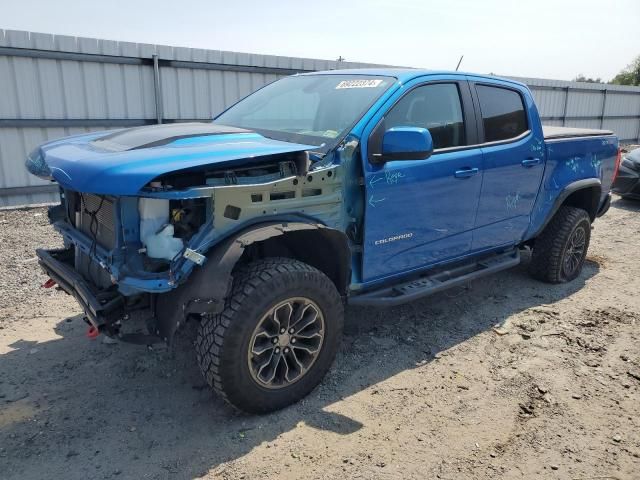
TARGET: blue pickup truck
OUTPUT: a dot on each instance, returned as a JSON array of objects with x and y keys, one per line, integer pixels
[{"x": 367, "y": 187}]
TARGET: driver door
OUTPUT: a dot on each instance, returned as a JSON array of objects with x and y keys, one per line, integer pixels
[{"x": 420, "y": 213}]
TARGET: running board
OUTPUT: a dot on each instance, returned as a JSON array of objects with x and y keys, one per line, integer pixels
[{"x": 436, "y": 282}]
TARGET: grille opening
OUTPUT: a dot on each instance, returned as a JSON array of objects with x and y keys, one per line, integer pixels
[
  {"x": 95, "y": 216},
  {"x": 256, "y": 197}
]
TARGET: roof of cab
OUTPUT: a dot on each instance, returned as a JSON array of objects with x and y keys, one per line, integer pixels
[{"x": 406, "y": 74}]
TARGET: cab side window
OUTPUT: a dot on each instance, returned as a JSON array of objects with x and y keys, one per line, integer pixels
[
  {"x": 503, "y": 114},
  {"x": 436, "y": 107}
]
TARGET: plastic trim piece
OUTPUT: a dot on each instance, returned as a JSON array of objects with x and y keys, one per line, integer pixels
[
  {"x": 73, "y": 284},
  {"x": 437, "y": 282},
  {"x": 209, "y": 285},
  {"x": 569, "y": 189}
]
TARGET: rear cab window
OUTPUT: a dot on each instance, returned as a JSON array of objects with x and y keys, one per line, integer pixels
[{"x": 503, "y": 113}]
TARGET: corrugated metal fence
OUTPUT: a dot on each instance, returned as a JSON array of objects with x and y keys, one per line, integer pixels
[
  {"x": 588, "y": 105},
  {"x": 53, "y": 86}
]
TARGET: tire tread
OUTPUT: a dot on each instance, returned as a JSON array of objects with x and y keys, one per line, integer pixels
[
  {"x": 546, "y": 259},
  {"x": 213, "y": 334}
]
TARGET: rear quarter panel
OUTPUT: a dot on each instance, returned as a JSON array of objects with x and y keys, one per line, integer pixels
[{"x": 569, "y": 160}]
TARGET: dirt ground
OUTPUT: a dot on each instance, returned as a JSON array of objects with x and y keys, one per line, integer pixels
[{"x": 504, "y": 378}]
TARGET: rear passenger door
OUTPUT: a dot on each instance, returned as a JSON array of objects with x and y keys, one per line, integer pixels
[{"x": 512, "y": 163}]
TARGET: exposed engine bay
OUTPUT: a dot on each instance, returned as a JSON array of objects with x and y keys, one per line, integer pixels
[
  {"x": 165, "y": 203},
  {"x": 131, "y": 248}
]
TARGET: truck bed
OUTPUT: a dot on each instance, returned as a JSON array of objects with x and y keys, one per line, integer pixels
[
  {"x": 574, "y": 156},
  {"x": 553, "y": 132}
]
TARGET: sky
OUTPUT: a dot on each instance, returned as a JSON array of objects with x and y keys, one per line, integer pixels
[{"x": 556, "y": 39}]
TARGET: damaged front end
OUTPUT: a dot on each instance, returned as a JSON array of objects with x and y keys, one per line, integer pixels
[
  {"x": 109, "y": 264},
  {"x": 148, "y": 226}
]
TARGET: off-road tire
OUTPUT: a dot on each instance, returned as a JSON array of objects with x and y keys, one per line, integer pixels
[
  {"x": 552, "y": 246},
  {"x": 223, "y": 340}
]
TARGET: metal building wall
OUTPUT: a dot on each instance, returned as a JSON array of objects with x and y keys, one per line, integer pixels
[
  {"x": 588, "y": 105},
  {"x": 53, "y": 86}
]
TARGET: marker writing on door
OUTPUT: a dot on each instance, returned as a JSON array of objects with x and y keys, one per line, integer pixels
[
  {"x": 393, "y": 177},
  {"x": 373, "y": 201},
  {"x": 373, "y": 180}
]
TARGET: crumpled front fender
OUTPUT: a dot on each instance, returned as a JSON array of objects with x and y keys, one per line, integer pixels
[{"x": 208, "y": 286}]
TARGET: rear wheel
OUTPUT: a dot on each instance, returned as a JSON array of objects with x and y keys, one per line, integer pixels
[
  {"x": 276, "y": 337},
  {"x": 560, "y": 250}
]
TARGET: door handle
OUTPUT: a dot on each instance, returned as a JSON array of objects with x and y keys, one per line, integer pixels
[
  {"x": 530, "y": 162},
  {"x": 465, "y": 172}
]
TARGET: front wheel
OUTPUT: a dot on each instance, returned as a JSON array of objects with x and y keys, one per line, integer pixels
[
  {"x": 276, "y": 337},
  {"x": 560, "y": 250}
]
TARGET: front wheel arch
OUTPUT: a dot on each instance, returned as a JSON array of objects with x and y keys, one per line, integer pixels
[
  {"x": 207, "y": 287},
  {"x": 325, "y": 249}
]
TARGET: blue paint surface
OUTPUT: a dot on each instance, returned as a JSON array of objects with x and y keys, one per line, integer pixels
[
  {"x": 407, "y": 140},
  {"x": 439, "y": 218},
  {"x": 413, "y": 214},
  {"x": 80, "y": 166},
  {"x": 567, "y": 162}
]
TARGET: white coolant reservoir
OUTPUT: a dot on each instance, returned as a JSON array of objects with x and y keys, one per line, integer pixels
[
  {"x": 163, "y": 244},
  {"x": 154, "y": 214},
  {"x": 159, "y": 241}
]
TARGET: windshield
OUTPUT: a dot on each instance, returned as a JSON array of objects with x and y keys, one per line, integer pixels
[{"x": 313, "y": 109}]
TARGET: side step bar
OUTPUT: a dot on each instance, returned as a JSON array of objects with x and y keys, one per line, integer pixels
[{"x": 436, "y": 282}]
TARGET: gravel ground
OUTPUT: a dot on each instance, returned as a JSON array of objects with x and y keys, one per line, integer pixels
[
  {"x": 21, "y": 232},
  {"x": 504, "y": 378}
]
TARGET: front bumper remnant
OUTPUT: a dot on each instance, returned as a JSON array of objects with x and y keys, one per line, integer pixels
[{"x": 102, "y": 308}]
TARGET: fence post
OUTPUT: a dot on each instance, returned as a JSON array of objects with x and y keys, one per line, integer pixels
[
  {"x": 564, "y": 109},
  {"x": 156, "y": 88},
  {"x": 604, "y": 107},
  {"x": 638, "y": 135}
]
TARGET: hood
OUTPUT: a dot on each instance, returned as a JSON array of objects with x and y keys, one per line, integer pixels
[{"x": 124, "y": 161}]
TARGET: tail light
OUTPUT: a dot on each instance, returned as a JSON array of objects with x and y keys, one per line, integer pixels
[{"x": 617, "y": 167}]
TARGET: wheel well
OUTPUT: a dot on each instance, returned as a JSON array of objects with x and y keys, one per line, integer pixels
[
  {"x": 205, "y": 292},
  {"x": 586, "y": 198},
  {"x": 326, "y": 250}
]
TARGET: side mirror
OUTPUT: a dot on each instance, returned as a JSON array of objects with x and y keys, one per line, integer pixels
[{"x": 406, "y": 143}]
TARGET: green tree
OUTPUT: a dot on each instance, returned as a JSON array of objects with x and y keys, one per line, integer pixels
[
  {"x": 630, "y": 75},
  {"x": 582, "y": 78}
]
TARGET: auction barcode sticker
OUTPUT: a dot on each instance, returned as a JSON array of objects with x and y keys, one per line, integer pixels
[{"x": 358, "y": 84}]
